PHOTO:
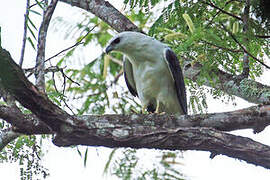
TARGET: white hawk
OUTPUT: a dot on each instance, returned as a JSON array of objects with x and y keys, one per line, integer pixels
[{"x": 152, "y": 72}]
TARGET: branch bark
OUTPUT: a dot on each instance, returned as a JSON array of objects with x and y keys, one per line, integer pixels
[
  {"x": 105, "y": 11},
  {"x": 246, "y": 68},
  {"x": 247, "y": 89},
  {"x": 25, "y": 31},
  {"x": 138, "y": 131},
  {"x": 6, "y": 136},
  {"x": 40, "y": 59}
]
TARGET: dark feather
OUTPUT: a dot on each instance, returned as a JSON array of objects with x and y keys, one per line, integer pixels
[
  {"x": 178, "y": 78},
  {"x": 128, "y": 74}
]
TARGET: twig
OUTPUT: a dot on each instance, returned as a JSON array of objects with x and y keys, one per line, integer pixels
[
  {"x": 68, "y": 48},
  {"x": 217, "y": 13},
  {"x": 25, "y": 32},
  {"x": 74, "y": 45},
  {"x": 244, "y": 49},
  {"x": 54, "y": 84},
  {"x": 40, "y": 63},
  {"x": 227, "y": 49},
  {"x": 35, "y": 4},
  {"x": 115, "y": 60},
  {"x": 262, "y": 36},
  {"x": 225, "y": 12}
]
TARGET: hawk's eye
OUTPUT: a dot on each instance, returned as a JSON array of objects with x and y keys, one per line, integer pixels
[{"x": 116, "y": 41}]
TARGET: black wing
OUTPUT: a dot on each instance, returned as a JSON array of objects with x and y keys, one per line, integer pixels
[
  {"x": 129, "y": 77},
  {"x": 177, "y": 74}
]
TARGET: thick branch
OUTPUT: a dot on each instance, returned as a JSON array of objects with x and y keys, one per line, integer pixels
[
  {"x": 256, "y": 118},
  {"x": 14, "y": 81},
  {"x": 204, "y": 139},
  {"x": 247, "y": 89},
  {"x": 105, "y": 11},
  {"x": 24, "y": 123}
]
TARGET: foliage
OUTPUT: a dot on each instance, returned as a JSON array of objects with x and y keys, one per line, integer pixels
[
  {"x": 193, "y": 29},
  {"x": 126, "y": 164},
  {"x": 26, "y": 151}
]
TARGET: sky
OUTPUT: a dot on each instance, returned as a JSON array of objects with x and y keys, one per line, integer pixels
[{"x": 65, "y": 163}]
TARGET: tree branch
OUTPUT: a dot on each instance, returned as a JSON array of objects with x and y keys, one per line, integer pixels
[
  {"x": 25, "y": 32},
  {"x": 15, "y": 82},
  {"x": 204, "y": 139},
  {"x": 6, "y": 136},
  {"x": 221, "y": 10},
  {"x": 247, "y": 89},
  {"x": 40, "y": 59},
  {"x": 246, "y": 68},
  {"x": 23, "y": 123},
  {"x": 105, "y": 11},
  {"x": 244, "y": 49},
  {"x": 138, "y": 131}
]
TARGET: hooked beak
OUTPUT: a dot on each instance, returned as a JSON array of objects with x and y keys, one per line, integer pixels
[{"x": 108, "y": 49}]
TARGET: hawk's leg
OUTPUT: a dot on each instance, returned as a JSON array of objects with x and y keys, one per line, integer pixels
[
  {"x": 144, "y": 109},
  {"x": 157, "y": 108}
]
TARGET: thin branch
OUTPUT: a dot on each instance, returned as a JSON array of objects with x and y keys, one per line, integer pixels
[
  {"x": 64, "y": 50},
  {"x": 63, "y": 92},
  {"x": 221, "y": 47},
  {"x": 35, "y": 4},
  {"x": 117, "y": 61},
  {"x": 223, "y": 11},
  {"x": 244, "y": 88},
  {"x": 262, "y": 36},
  {"x": 26, "y": 16},
  {"x": 246, "y": 67},
  {"x": 74, "y": 45},
  {"x": 40, "y": 59},
  {"x": 244, "y": 49},
  {"x": 217, "y": 13}
]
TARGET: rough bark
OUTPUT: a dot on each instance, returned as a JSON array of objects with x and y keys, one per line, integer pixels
[
  {"x": 244, "y": 88},
  {"x": 204, "y": 139},
  {"x": 247, "y": 89},
  {"x": 136, "y": 131},
  {"x": 6, "y": 136},
  {"x": 15, "y": 82},
  {"x": 105, "y": 11},
  {"x": 40, "y": 59}
]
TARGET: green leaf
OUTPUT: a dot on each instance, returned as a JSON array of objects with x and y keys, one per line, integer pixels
[
  {"x": 105, "y": 171},
  {"x": 31, "y": 42},
  {"x": 40, "y": 4},
  {"x": 85, "y": 157},
  {"x": 31, "y": 22},
  {"x": 32, "y": 33},
  {"x": 35, "y": 12}
]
